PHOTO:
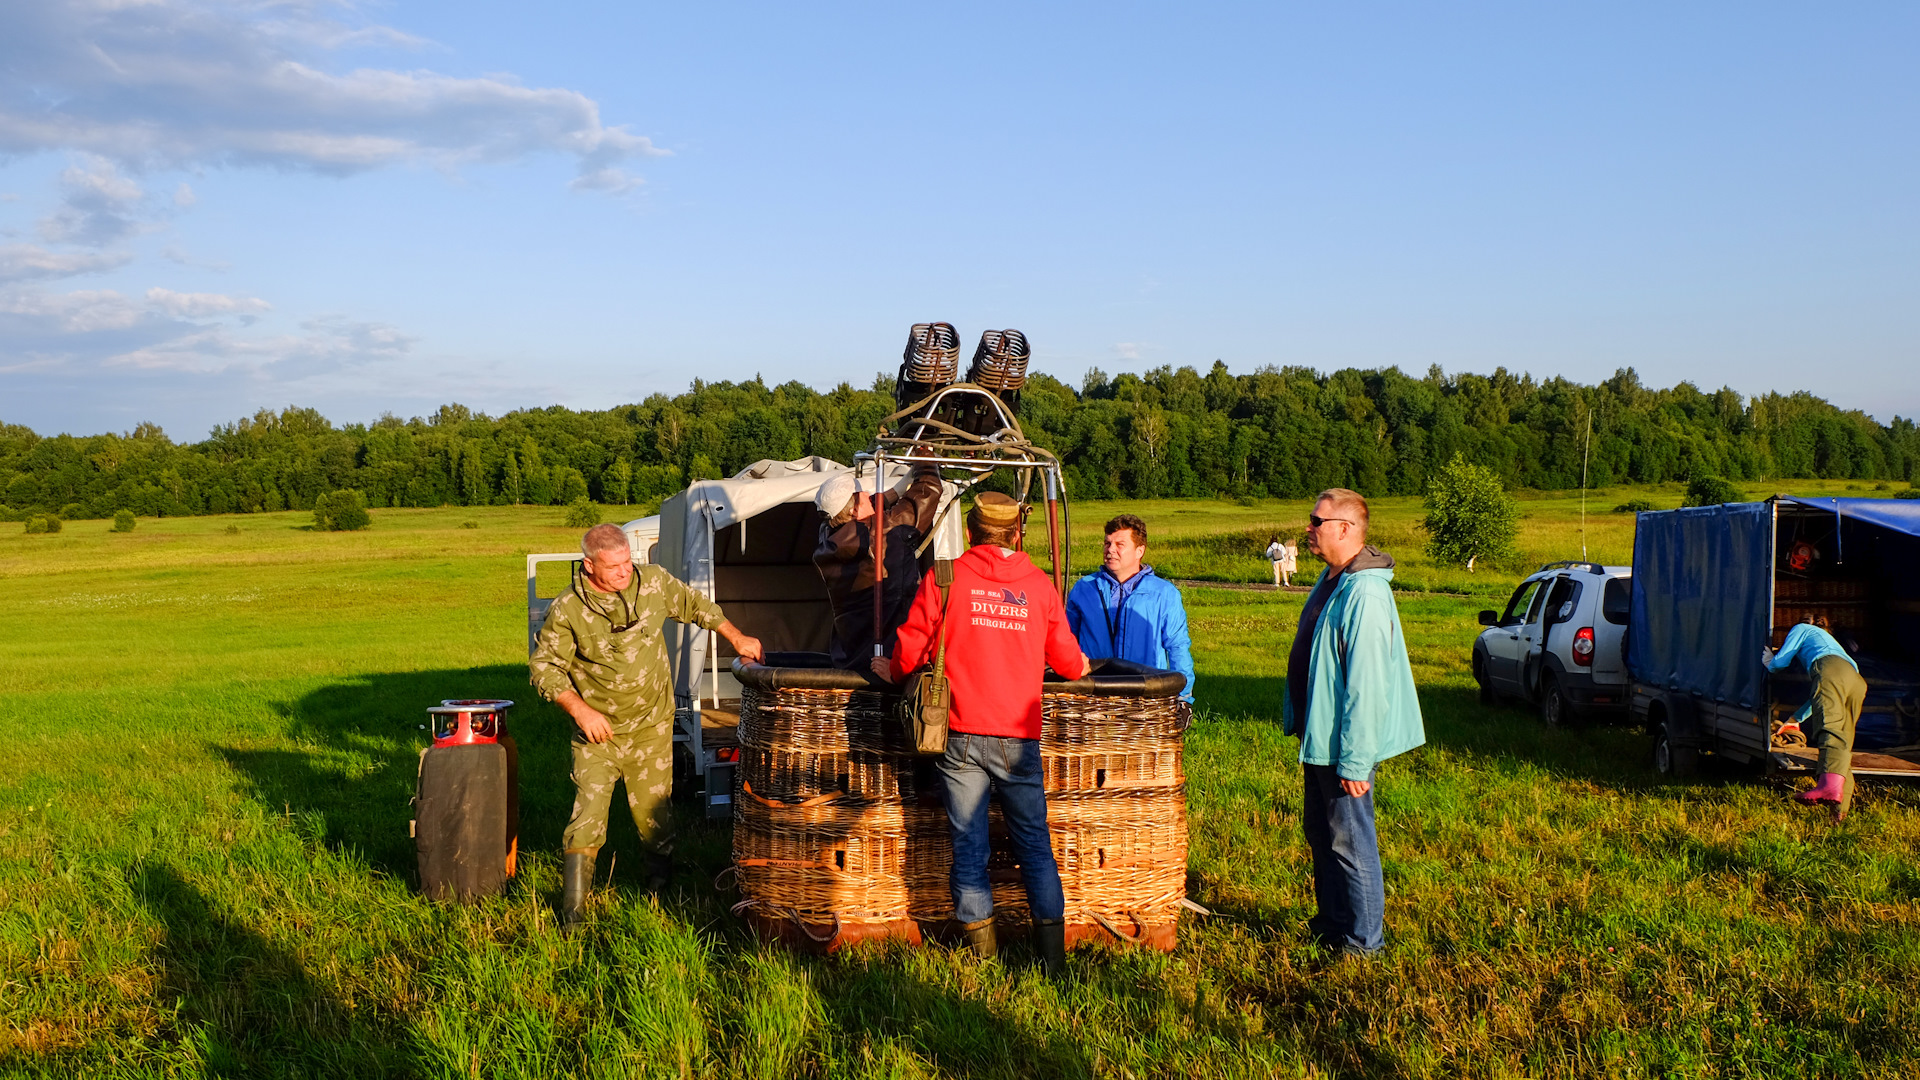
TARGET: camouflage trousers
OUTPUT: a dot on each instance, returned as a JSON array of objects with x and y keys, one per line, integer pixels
[{"x": 643, "y": 760}]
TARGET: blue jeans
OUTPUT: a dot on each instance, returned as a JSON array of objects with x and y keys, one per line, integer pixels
[
  {"x": 973, "y": 766},
  {"x": 1347, "y": 882}
]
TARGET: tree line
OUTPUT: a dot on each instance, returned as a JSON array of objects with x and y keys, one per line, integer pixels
[{"x": 1286, "y": 432}]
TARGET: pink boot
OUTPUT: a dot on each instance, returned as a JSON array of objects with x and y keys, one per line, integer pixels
[{"x": 1831, "y": 789}]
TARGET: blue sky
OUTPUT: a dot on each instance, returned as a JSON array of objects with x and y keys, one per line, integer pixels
[{"x": 211, "y": 207}]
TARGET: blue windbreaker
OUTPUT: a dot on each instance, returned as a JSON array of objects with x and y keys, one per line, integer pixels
[
  {"x": 1361, "y": 704},
  {"x": 1807, "y": 643},
  {"x": 1142, "y": 620}
]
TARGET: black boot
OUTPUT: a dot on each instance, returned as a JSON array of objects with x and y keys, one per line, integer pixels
[
  {"x": 1050, "y": 940},
  {"x": 659, "y": 872},
  {"x": 576, "y": 874},
  {"x": 981, "y": 938}
]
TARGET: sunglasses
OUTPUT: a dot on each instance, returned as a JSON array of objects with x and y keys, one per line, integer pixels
[{"x": 1316, "y": 521}]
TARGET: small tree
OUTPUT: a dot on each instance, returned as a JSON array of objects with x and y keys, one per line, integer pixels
[
  {"x": 582, "y": 514},
  {"x": 570, "y": 484},
  {"x": 1470, "y": 516},
  {"x": 342, "y": 511},
  {"x": 123, "y": 520},
  {"x": 1712, "y": 491}
]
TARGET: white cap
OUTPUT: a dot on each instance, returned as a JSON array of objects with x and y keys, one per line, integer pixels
[{"x": 835, "y": 493}]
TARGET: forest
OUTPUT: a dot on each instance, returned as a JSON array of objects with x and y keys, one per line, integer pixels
[{"x": 1285, "y": 432}]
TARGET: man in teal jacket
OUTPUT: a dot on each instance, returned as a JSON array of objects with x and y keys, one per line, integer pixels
[{"x": 1351, "y": 701}]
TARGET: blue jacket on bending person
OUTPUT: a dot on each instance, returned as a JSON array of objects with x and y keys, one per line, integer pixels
[{"x": 1125, "y": 611}]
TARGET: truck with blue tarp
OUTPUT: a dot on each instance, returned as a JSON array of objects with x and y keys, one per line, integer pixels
[{"x": 1714, "y": 586}]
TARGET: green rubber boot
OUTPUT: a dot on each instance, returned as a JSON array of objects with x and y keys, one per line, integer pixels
[
  {"x": 981, "y": 938},
  {"x": 576, "y": 876},
  {"x": 1050, "y": 939}
]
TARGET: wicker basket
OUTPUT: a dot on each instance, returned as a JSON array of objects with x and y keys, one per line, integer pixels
[{"x": 840, "y": 833}]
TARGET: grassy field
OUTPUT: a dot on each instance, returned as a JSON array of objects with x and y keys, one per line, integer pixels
[{"x": 204, "y": 862}]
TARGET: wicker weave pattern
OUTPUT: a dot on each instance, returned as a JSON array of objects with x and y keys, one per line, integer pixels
[{"x": 832, "y": 824}]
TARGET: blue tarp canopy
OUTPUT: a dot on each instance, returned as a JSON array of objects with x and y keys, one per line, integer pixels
[
  {"x": 1702, "y": 600},
  {"x": 1900, "y": 515}
]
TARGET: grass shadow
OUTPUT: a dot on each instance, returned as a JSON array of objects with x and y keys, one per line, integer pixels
[{"x": 243, "y": 1006}]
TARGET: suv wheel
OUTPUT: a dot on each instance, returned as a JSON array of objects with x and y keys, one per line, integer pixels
[
  {"x": 1678, "y": 762},
  {"x": 1555, "y": 712},
  {"x": 1487, "y": 696}
]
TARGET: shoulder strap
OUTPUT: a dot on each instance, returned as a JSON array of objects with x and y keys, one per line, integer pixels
[{"x": 943, "y": 577}]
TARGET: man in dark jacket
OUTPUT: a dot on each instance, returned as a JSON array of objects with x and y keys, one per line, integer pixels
[{"x": 845, "y": 559}]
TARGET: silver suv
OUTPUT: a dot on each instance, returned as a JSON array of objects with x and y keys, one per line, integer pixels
[{"x": 1561, "y": 643}]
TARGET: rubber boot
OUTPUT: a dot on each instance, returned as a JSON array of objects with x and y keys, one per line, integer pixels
[
  {"x": 1050, "y": 939},
  {"x": 981, "y": 938},
  {"x": 659, "y": 872},
  {"x": 576, "y": 875},
  {"x": 1831, "y": 789}
]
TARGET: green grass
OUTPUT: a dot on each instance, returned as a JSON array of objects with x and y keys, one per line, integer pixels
[{"x": 204, "y": 860}]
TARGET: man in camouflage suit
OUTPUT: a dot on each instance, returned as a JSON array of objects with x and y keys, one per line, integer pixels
[{"x": 601, "y": 657}]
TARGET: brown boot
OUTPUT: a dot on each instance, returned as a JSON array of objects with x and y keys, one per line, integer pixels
[{"x": 981, "y": 938}]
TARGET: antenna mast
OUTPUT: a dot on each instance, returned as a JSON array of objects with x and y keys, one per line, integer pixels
[{"x": 1585, "y": 454}]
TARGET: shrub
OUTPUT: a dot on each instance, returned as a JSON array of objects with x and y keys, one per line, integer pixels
[
  {"x": 582, "y": 514},
  {"x": 1633, "y": 506},
  {"x": 1910, "y": 493},
  {"x": 43, "y": 523},
  {"x": 342, "y": 511},
  {"x": 233, "y": 530},
  {"x": 1470, "y": 516},
  {"x": 73, "y": 512},
  {"x": 123, "y": 521},
  {"x": 1712, "y": 491},
  {"x": 475, "y": 524}
]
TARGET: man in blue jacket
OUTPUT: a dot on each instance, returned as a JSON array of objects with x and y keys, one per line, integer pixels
[
  {"x": 1126, "y": 611},
  {"x": 1351, "y": 700}
]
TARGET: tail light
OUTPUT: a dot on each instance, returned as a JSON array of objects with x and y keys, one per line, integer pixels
[{"x": 1583, "y": 647}]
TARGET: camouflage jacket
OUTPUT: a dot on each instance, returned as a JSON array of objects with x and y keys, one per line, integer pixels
[{"x": 623, "y": 675}]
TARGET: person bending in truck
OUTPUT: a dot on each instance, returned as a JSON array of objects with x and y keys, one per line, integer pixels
[
  {"x": 600, "y": 657},
  {"x": 1126, "y": 611},
  {"x": 1004, "y": 626},
  {"x": 1832, "y": 708},
  {"x": 844, "y": 558}
]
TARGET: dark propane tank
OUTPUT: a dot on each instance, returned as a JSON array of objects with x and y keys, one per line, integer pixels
[{"x": 466, "y": 826}]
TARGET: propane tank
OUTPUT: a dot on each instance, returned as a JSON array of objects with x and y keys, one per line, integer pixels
[{"x": 466, "y": 825}]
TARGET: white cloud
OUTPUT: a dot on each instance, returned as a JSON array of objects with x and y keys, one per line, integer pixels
[
  {"x": 180, "y": 83},
  {"x": 203, "y": 305},
  {"x": 98, "y": 206},
  {"x": 27, "y": 262},
  {"x": 1129, "y": 350},
  {"x": 183, "y": 196}
]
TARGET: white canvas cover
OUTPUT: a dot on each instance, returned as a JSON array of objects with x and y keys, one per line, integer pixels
[{"x": 689, "y": 520}]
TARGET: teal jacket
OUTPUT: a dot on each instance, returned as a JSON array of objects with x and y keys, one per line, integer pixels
[{"x": 1361, "y": 705}]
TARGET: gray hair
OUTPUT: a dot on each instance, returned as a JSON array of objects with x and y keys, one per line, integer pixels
[{"x": 600, "y": 538}]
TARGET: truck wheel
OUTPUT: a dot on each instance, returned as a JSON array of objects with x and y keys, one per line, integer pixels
[
  {"x": 1554, "y": 709},
  {"x": 1678, "y": 762}
]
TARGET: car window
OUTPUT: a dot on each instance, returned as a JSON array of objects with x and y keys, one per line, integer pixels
[
  {"x": 1522, "y": 596},
  {"x": 1539, "y": 602},
  {"x": 1615, "y": 601},
  {"x": 1566, "y": 591}
]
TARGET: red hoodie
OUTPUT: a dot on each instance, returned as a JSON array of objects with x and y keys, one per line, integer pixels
[{"x": 1007, "y": 627}]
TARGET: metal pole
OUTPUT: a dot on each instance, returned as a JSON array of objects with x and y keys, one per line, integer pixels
[
  {"x": 879, "y": 528},
  {"x": 1053, "y": 532}
]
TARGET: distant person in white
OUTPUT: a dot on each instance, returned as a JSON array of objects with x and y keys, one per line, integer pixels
[{"x": 1282, "y": 556}]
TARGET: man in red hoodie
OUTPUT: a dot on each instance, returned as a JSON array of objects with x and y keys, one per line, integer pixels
[{"x": 1005, "y": 626}]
